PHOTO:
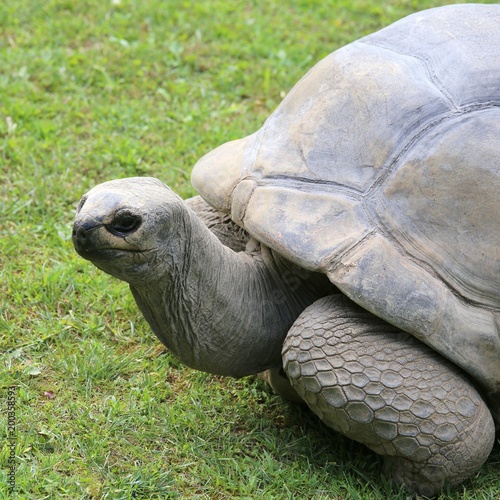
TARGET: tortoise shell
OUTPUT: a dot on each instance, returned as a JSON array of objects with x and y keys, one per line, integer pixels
[{"x": 381, "y": 168}]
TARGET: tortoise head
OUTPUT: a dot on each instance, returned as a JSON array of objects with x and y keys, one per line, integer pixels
[{"x": 126, "y": 227}]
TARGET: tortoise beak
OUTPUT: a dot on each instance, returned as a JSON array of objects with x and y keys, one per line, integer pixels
[{"x": 84, "y": 237}]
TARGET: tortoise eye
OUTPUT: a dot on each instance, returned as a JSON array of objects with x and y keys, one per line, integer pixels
[{"x": 124, "y": 222}]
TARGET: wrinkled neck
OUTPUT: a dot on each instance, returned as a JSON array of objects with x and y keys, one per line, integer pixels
[{"x": 224, "y": 312}]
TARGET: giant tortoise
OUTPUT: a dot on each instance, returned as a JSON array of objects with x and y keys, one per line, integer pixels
[{"x": 352, "y": 243}]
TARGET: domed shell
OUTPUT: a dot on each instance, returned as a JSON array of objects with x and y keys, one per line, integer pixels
[{"x": 381, "y": 168}]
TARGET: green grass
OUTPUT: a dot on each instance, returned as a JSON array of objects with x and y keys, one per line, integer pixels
[{"x": 94, "y": 90}]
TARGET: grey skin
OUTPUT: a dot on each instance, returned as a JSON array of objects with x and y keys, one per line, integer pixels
[{"x": 351, "y": 243}]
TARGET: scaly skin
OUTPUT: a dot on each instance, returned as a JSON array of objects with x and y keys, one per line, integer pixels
[{"x": 382, "y": 387}]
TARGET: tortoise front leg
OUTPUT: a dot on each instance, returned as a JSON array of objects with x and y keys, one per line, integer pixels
[{"x": 384, "y": 388}]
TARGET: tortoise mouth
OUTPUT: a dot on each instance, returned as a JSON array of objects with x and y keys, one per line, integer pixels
[{"x": 105, "y": 254}]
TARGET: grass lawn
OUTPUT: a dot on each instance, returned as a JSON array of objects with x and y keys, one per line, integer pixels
[{"x": 93, "y": 90}]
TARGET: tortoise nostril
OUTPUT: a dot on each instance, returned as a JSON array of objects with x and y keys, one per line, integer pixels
[
  {"x": 79, "y": 233},
  {"x": 80, "y": 239}
]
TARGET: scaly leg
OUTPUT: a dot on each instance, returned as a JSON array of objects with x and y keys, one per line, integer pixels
[{"x": 384, "y": 388}]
